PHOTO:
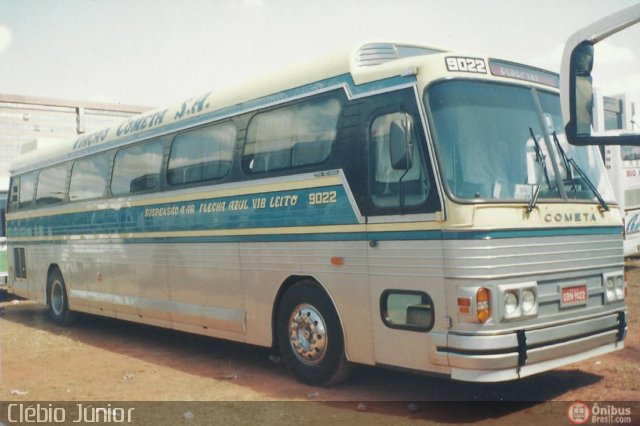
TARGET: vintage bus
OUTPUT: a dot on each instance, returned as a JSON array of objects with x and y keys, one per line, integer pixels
[{"x": 393, "y": 205}]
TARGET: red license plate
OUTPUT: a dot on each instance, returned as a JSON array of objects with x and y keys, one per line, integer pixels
[{"x": 574, "y": 295}]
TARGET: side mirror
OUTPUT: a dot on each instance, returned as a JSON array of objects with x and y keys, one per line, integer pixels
[
  {"x": 582, "y": 65},
  {"x": 401, "y": 143},
  {"x": 585, "y": 115}
]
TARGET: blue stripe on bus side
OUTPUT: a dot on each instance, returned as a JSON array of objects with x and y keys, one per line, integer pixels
[{"x": 295, "y": 208}]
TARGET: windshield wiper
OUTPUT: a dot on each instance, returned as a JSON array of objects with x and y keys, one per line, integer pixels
[
  {"x": 570, "y": 162},
  {"x": 542, "y": 162},
  {"x": 565, "y": 161}
]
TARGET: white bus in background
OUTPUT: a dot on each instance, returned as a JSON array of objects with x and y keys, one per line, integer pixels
[{"x": 623, "y": 166}]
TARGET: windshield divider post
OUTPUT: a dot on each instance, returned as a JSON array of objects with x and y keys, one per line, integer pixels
[{"x": 549, "y": 144}]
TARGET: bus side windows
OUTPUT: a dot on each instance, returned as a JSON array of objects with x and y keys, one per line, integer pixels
[
  {"x": 137, "y": 168},
  {"x": 297, "y": 135},
  {"x": 202, "y": 155},
  {"x": 89, "y": 177}
]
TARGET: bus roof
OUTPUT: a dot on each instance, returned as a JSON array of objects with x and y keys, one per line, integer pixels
[{"x": 367, "y": 62}]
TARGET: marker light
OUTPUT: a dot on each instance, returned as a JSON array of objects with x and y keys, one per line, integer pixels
[
  {"x": 464, "y": 305},
  {"x": 483, "y": 304}
]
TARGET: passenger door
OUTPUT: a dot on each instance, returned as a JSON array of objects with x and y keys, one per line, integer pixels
[{"x": 405, "y": 251}]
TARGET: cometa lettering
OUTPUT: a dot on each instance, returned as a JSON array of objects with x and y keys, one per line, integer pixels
[{"x": 569, "y": 217}]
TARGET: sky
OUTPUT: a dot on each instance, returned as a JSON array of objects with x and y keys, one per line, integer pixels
[{"x": 159, "y": 52}]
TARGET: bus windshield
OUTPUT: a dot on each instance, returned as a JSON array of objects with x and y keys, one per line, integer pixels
[{"x": 491, "y": 147}]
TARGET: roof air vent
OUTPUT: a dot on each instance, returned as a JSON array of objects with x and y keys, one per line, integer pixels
[{"x": 380, "y": 53}]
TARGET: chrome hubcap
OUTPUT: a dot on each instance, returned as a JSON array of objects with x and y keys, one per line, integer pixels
[
  {"x": 57, "y": 297},
  {"x": 308, "y": 334}
]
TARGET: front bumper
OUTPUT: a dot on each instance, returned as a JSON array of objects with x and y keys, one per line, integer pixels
[{"x": 492, "y": 358}]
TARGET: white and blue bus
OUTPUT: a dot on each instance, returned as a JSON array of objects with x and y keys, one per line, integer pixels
[{"x": 394, "y": 205}]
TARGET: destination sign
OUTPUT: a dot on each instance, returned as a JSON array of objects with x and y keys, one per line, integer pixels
[{"x": 523, "y": 72}]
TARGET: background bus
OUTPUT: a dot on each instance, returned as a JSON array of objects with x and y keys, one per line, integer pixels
[
  {"x": 623, "y": 168},
  {"x": 614, "y": 116}
]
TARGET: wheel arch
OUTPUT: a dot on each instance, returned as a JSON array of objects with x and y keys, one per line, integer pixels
[{"x": 284, "y": 287}]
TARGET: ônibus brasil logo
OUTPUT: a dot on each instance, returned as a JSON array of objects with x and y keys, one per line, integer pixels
[{"x": 579, "y": 413}]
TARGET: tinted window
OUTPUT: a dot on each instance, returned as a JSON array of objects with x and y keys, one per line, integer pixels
[
  {"x": 137, "y": 168},
  {"x": 293, "y": 136},
  {"x": 201, "y": 155},
  {"x": 52, "y": 185},
  {"x": 89, "y": 178}
]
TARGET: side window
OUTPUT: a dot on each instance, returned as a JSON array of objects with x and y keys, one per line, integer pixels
[
  {"x": 52, "y": 185},
  {"x": 137, "y": 168},
  {"x": 15, "y": 192},
  {"x": 292, "y": 136},
  {"x": 201, "y": 155},
  {"x": 24, "y": 189},
  {"x": 410, "y": 310},
  {"x": 89, "y": 178},
  {"x": 399, "y": 176}
]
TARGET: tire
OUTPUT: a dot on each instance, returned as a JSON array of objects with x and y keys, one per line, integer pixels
[
  {"x": 309, "y": 336},
  {"x": 57, "y": 299}
]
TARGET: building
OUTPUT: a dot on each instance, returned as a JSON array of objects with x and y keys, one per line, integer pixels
[
  {"x": 33, "y": 120},
  {"x": 28, "y": 120},
  {"x": 613, "y": 113}
]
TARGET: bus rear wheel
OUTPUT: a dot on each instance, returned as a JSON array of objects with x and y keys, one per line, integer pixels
[
  {"x": 58, "y": 300},
  {"x": 309, "y": 336}
]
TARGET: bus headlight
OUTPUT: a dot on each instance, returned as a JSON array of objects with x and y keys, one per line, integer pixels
[
  {"x": 519, "y": 301},
  {"x": 528, "y": 301},
  {"x": 510, "y": 303},
  {"x": 610, "y": 289},
  {"x": 614, "y": 287},
  {"x": 619, "y": 287}
]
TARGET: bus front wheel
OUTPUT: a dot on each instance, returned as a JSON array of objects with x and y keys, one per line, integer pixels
[
  {"x": 309, "y": 336},
  {"x": 58, "y": 301}
]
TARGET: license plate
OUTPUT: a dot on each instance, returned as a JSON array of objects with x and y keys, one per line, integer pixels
[{"x": 574, "y": 295}]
